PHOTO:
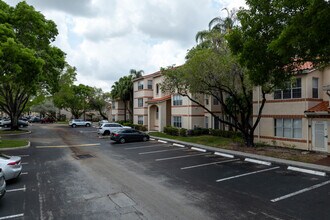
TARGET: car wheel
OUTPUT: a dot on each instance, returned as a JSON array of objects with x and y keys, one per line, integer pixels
[
  {"x": 5, "y": 126},
  {"x": 106, "y": 133},
  {"x": 145, "y": 138},
  {"x": 88, "y": 125},
  {"x": 74, "y": 125},
  {"x": 122, "y": 140}
]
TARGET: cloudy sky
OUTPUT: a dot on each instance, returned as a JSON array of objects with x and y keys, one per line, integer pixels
[{"x": 104, "y": 39}]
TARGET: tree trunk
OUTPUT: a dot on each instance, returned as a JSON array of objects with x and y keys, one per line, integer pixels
[
  {"x": 248, "y": 138},
  {"x": 125, "y": 110}
]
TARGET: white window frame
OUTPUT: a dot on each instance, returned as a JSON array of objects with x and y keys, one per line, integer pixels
[
  {"x": 140, "y": 119},
  {"x": 177, "y": 121},
  {"x": 288, "y": 128},
  {"x": 177, "y": 100},
  {"x": 140, "y": 102}
]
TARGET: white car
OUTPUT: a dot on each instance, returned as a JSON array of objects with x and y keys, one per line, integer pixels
[
  {"x": 79, "y": 122},
  {"x": 108, "y": 128},
  {"x": 11, "y": 166},
  {"x": 2, "y": 184}
]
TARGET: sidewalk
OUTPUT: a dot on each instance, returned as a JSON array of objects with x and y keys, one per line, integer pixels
[{"x": 323, "y": 165}]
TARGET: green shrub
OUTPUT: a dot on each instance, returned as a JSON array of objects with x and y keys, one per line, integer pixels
[
  {"x": 183, "y": 132},
  {"x": 171, "y": 130},
  {"x": 138, "y": 127}
]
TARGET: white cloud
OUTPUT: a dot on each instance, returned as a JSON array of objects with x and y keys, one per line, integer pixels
[{"x": 104, "y": 39}]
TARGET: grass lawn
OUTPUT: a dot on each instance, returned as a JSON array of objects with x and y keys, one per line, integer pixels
[
  {"x": 12, "y": 143},
  {"x": 8, "y": 131},
  {"x": 208, "y": 140},
  {"x": 266, "y": 150}
]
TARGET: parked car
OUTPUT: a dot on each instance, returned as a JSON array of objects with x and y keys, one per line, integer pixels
[
  {"x": 2, "y": 184},
  {"x": 7, "y": 123},
  {"x": 102, "y": 122},
  {"x": 47, "y": 120},
  {"x": 11, "y": 166},
  {"x": 129, "y": 134},
  {"x": 79, "y": 122},
  {"x": 34, "y": 119},
  {"x": 108, "y": 128}
]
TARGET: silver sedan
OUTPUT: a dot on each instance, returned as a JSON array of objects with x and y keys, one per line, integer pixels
[
  {"x": 2, "y": 184},
  {"x": 11, "y": 166}
]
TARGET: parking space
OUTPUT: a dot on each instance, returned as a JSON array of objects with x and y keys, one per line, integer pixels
[
  {"x": 270, "y": 182},
  {"x": 13, "y": 204}
]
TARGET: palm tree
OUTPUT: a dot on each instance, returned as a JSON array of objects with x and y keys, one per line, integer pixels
[
  {"x": 135, "y": 73},
  {"x": 224, "y": 25}
]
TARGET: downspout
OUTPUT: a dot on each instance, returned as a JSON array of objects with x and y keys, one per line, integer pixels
[
  {"x": 258, "y": 110},
  {"x": 306, "y": 96}
]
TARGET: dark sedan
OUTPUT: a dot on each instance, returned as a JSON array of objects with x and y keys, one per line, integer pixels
[{"x": 128, "y": 134}]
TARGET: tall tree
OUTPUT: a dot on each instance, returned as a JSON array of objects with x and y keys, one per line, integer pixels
[
  {"x": 28, "y": 61},
  {"x": 215, "y": 72},
  {"x": 99, "y": 102},
  {"x": 224, "y": 25},
  {"x": 122, "y": 90},
  {"x": 276, "y": 37}
]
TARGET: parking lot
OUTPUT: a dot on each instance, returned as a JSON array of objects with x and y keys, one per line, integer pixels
[{"x": 223, "y": 185}]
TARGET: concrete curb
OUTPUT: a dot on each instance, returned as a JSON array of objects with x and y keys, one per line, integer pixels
[
  {"x": 17, "y": 148},
  {"x": 253, "y": 156}
]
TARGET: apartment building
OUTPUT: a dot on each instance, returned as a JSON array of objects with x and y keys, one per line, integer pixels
[
  {"x": 117, "y": 111},
  {"x": 156, "y": 109},
  {"x": 298, "y": 116}
]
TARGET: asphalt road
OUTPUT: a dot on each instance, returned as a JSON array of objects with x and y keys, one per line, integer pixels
[{"x": 72, "y": 174}]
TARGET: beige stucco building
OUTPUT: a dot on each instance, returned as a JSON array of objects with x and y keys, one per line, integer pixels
[
  {"x": 117, "y": 111},
  {"x": 156, "y": 109},
  {"x": 299, "y": 116}
]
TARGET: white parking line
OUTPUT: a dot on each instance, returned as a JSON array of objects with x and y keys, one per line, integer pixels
[
  {"x": 15, "y": 190},
  {"x": 246, "y": 174},
  {"x": 26, "y": 173},
  {"x": 134, "y": 148},
  {"x": 258, "y": 161},
  {"x": 198, "y": 149},
  {"x": 152, "y": 139},
  {"x": 178, "y": 145},
  {"x": 160, "y": 151},
  {"x": 161, "y": 141},
  {"x": 23, "y": 155},
  {"x": 224, "y": 155},
  {"x": 26, "y": 163},
  {"x": 178, "y": 157},
  {"x": 207, "y": 164},
  {"x": 306, "y": 171},
  {"x": 300, "y": 191},
  {"x": 12, "y": 216}
]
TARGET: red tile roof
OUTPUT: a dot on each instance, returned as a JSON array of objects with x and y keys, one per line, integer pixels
[
  {"x": 159, "y": 99},
  {"x": 321, "y": 107}
]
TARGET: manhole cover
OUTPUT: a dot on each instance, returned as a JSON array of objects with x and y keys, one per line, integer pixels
[{"x": 83, "y": 156}]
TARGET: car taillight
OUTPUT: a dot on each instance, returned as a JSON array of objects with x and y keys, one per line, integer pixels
[
  {"x": 13, "y": 163},
  {"x": 116, "y": 135}
]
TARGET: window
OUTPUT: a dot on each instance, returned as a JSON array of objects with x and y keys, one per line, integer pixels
[
  {"x": 140, "y": 119},
  {"x": 206, "y": 122},
  {"x": 140, "y": 85},
  {"x": 140, "y": 102},
  {"x": 291, "y": 91},
  {"x": 157, "y": 112},
  {"x": 149, "y": 84},
  {"x": 177, "y": 100},
  {"x": 315, "y": 88},
  {"x": 206, "y": 100},
  {"x": 177, "y": 121},
  {"x": 215, "y": 101},
  {"x": 289, "y": 128},
  {"x": 113, "y": 105},
  {"x": 157, "y": 88}
]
